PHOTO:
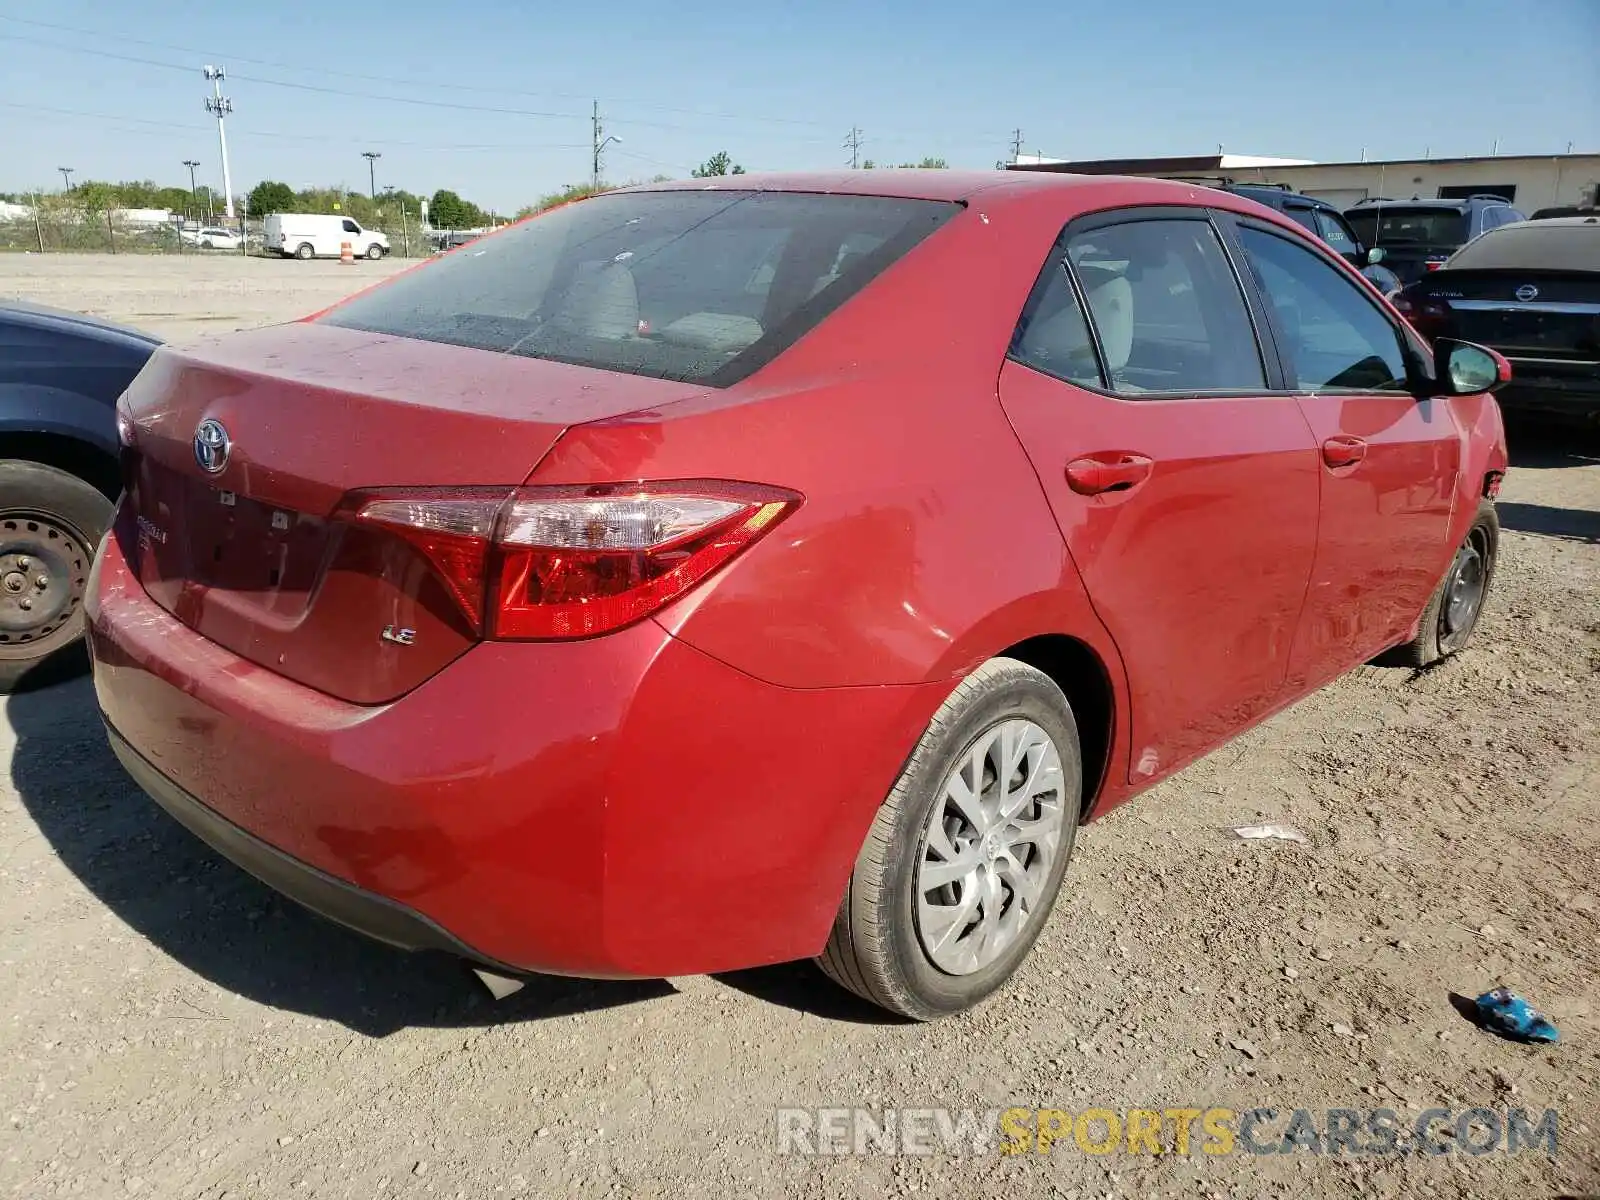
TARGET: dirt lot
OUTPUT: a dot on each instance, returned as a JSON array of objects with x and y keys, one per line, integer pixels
[
  {"x": 178, "y": 297},
  {"x": 173, "y": 1030}
]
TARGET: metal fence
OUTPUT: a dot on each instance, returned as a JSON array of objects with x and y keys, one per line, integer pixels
[{"x": 67, "y": 231}]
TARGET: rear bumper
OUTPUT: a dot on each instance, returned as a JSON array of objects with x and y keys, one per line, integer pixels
[
  {"x": 624, "y": 806},
  {"x": 338, "y": 900}
]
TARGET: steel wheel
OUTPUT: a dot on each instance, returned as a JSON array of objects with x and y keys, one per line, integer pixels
[
  {"x": 44, "y": 569},
  {"x": 1464, "y": 590},
  {"x": 990, "y": 846}
]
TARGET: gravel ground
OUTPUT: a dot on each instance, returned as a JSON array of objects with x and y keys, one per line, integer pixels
[
  {"x": 181, "y": 297},
  {"x": 171, "y": 1029}
]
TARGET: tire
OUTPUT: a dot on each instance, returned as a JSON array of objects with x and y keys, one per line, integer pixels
[
  {"x": 374, "y": 252},
  {"x": 304, "y": 252},
  {"x": 1453, "y": 610},
  {"x": 50, "y": 524},
  {"x": 206, "y": 245},
  {"x": 886, "y": 943}
]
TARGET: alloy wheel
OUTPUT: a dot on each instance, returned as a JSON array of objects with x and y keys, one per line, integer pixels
[{"x": 990, "y": 845}]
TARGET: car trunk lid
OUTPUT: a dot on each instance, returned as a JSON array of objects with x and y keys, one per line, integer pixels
[
  {"x": 1526, "y": 315},
  {"x": 258, "y": 555}
]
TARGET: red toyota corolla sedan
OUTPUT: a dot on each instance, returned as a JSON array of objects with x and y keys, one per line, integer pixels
[{"x": 718, "y": 574}]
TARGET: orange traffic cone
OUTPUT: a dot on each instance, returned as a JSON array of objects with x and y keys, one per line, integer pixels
[{"x": 347, "y": 256}]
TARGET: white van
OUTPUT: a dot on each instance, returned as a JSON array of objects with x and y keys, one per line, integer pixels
[{"x": 313, "y": 235}]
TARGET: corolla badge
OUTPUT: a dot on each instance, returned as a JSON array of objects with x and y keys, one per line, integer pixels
[
  {"x": 211, "y": 446},
  {"x": 1527, "y": 292}
]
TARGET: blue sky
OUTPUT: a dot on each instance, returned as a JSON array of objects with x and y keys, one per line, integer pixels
[{"x": 315, "y": 84}]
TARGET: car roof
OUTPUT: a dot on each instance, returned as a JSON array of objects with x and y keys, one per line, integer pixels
[
  {"x": 915, "y": 183},
  {"x": 39, "y": 316},
  {"x": 1271, "y": 195}
]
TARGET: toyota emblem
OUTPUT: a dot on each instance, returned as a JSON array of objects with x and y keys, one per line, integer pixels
[
  {"x": 211, "y": 446},
  {"x": 1527, "y": 292}
]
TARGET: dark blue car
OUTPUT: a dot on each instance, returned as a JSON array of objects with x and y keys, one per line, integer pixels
[
  {"x": 60, "y": 376},
  {"x": 1329, "y": 224}
]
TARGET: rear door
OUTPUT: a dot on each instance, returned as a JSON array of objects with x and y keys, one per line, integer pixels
[
  {"x": 1388, "y": 460},
  {"x": 1185, "y": 488}
]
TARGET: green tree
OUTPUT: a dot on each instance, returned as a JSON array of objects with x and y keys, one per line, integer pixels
[
  {"x": 718, "y": 164},
  {"x": 270, "y": 196},
  {"x": 449, "y": 211},
  {"x": 867, "y": 164},
  {"x": 95, "y": 197},
  {"x": 933, "y": 163}
]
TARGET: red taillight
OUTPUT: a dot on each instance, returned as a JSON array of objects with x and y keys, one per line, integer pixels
[
  {"x": 569, "y": 562},
  {"x": 1433, "y": 264}
]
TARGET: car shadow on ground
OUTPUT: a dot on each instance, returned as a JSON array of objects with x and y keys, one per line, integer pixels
[
  {"x": 1573, "y": 524},
  {"x": 220, "y": 922}
]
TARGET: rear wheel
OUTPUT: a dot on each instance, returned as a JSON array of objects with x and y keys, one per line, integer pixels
[
  {"x": 963, "y": 862},
  {"x": 1453, "y": 610},
  {"x": 304, "y": 251},
  {"x": 374, "y": 251},
  {"x": 50, "y": 523}
]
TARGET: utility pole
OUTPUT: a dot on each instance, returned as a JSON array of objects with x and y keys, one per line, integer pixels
[
  {"x": 853, "y": 144},
  {"x": 601, "y": 141},
  {"x": 1016, "y": 144},
  {"x": 66, "y": 174},
  {"x": 405, "y": 233},
  {"x": 372, "y": 157},
  {"x": 220, "y": 105},
  {"x": 194, "y": 188}
]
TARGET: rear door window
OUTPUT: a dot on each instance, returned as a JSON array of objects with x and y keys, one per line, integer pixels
[
  {"x": 1397, "y": 225},
  {"x": 1336, "y": 338},
  {"x": 688, "y": 285},
  {"x": 1166, "y": 308},
  {"x": 1335, "y": 232}
]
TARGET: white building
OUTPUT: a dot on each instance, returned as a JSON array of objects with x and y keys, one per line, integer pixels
[{"x": 1530, "y": 182}]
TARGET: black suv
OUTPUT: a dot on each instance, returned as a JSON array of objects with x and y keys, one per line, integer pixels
[
  {"x": 1416, "y": 236},
  {"x": 1328, "y": 223}
]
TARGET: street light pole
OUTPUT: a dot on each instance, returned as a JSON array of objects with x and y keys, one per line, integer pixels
[
  {"x": 372, "y": 157},
  {"x": 66, "y": 174}
]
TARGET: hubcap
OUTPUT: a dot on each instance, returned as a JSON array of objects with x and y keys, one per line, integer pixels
[
  {"x": 44, "y": 567},
  {"x": 992, "y": 842},
  {"x": 1464, "y": 590}
]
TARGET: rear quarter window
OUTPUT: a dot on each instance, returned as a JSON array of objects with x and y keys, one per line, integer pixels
[{"x": 698, "y": 286}]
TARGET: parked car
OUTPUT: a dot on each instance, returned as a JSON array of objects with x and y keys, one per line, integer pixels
[
  {"x": 1328, "y": 223},
  {"x": 1565, "y": 210},
  {"x": 1416, "y": 236},
  {"x": 1531, "y": 291},
  {"x": 210, "y": 238},
  {"x": 316, "y": 235},
  {"x": 702, "y": 576},
  {"x": 60, "y": 376}
]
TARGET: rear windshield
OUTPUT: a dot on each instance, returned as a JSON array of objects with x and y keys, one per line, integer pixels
[
  {"x": 1533, "y": 246},
  {"x": 699, "y": 286},
  {"x": 1396, "y": 225}
]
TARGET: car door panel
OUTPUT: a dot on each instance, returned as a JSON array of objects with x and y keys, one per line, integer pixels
[
  {"x": 1390, "y": 461},
  {"x": 1191, "y": 519}
]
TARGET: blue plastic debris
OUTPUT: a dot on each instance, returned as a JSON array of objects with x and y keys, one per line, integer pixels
[{"x": 1506, "y": 1012}]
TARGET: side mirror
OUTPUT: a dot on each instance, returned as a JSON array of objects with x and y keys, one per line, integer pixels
[
  {"x": 1375, "y": 256},
  {"x": 1465, "y": 369}
]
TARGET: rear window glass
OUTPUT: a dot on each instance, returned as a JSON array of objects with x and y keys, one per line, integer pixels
[
  {"x": 1533, "y": 246},
  {"x": 1396, "y": 225},
  {"x": 699, "y": 286}
]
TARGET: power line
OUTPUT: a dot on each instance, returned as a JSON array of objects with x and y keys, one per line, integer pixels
[
  {"x": 404, "y": 82},
  {"x": 147, "y": 126}
]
